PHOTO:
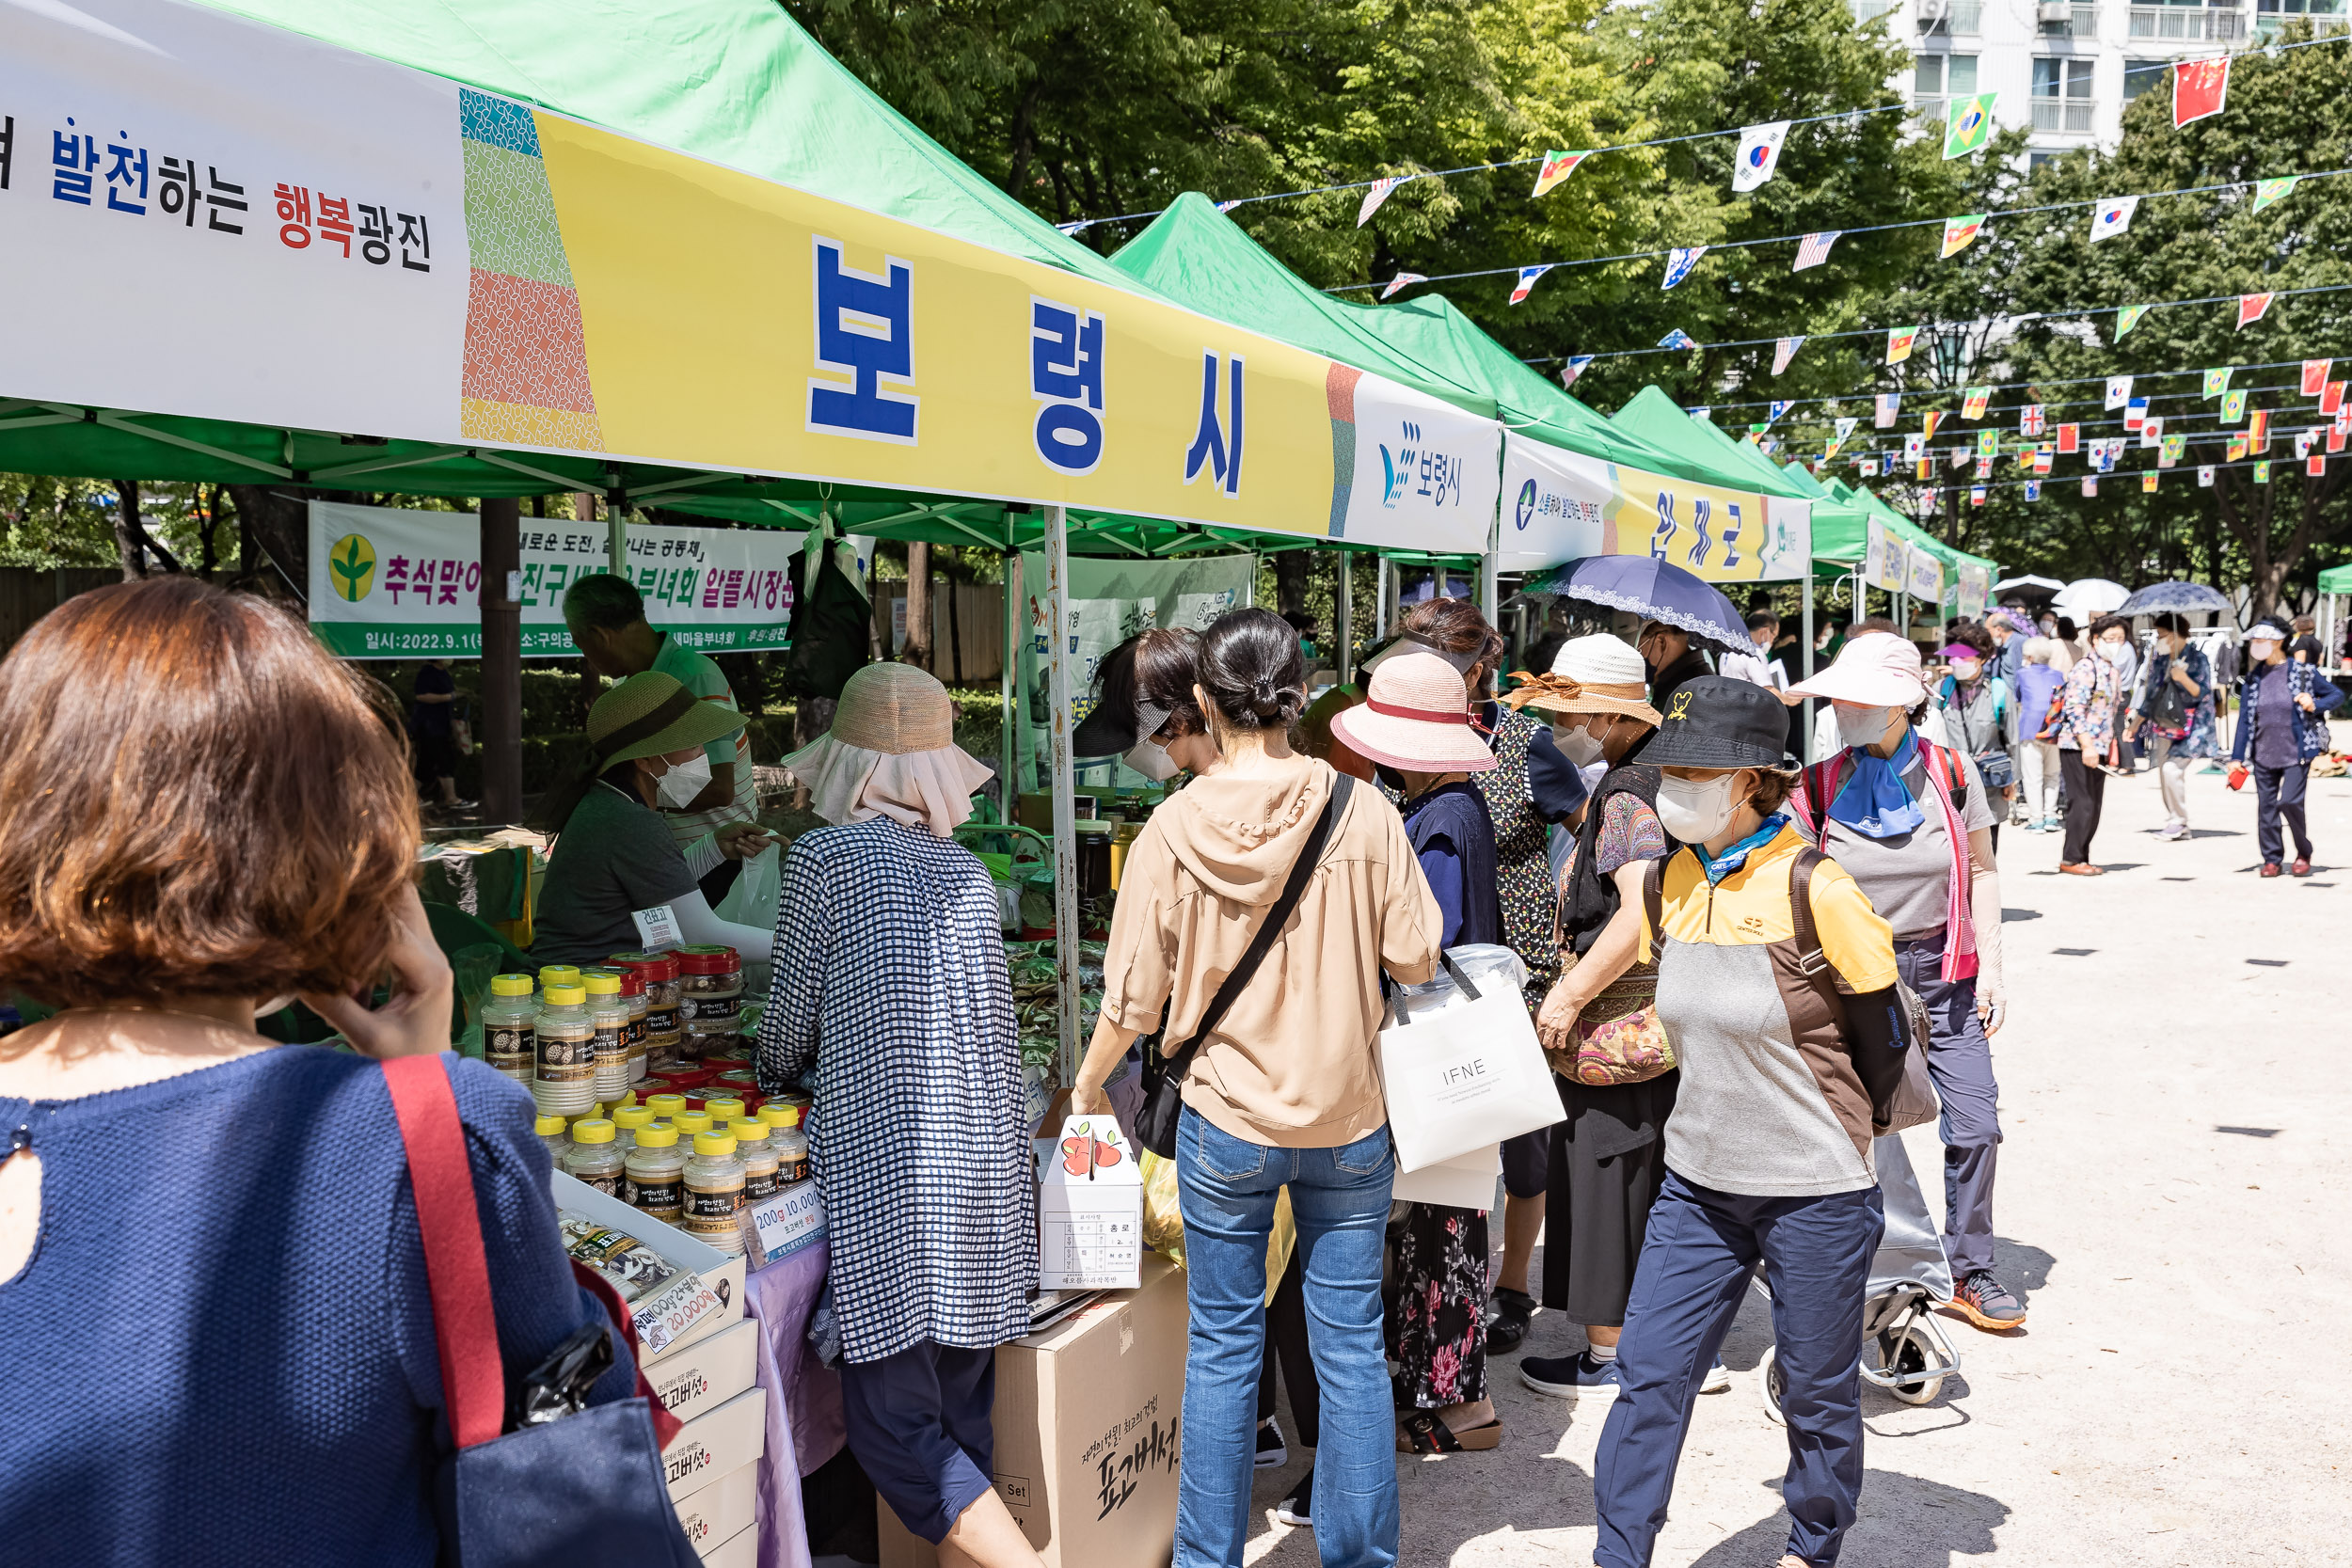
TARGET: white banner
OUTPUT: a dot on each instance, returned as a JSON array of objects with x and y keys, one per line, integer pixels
[
  {"x": 1423, "y": 474},
  {"x": 1562, "y": 506},
  {"x": 389, "y": 583},
  {"x": 1925, "y": 577}
]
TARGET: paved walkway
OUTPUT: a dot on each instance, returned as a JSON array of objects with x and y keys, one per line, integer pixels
[{"x": 2173, "y": 1202}]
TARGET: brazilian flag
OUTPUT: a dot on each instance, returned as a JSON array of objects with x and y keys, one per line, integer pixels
[{"x": 1969, "y": 126}]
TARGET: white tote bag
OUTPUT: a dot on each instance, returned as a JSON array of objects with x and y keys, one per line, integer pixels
[{"x": 1460, "y": 1067}]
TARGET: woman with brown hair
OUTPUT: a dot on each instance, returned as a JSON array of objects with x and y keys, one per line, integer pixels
[{"x": 201, "y": 816}]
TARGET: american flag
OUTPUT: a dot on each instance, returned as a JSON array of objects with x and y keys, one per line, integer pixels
[
  {"x": 1374, "y": 195},
  {"x": 1814, "y": 249}
]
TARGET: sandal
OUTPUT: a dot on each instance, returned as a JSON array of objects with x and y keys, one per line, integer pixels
[
  {"x": 1514, "y": 1310},
  {"x": 1420, "y": 1431}
]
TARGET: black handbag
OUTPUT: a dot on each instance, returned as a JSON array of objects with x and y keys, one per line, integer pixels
[
  {"x": 583, "y": 1487},
  {"x": 1164, "y": 1076}
]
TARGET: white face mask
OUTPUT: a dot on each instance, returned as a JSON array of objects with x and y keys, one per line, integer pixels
[
  {"x": 1151, "y": 759},
  {"x": 2115, "y": 652},
  {"x": 1966, "y": 669},
  {"x": 1862, "y": 726},
  {"x": 1695, "y": 811},
  {"x": 683, "y": 782},
  {"x": 1579, "y": 745}
]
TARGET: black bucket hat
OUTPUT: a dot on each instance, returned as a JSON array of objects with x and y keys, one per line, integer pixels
[{"x": 1717, "y": 721}]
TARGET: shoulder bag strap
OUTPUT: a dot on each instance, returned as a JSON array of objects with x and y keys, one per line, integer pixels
[
  {"x": 1277, "y": 916},
  {"x": 1810, "y": 959},
  {"x": 473, "y": 1380},
  {"x": 1654, "y": 902}
]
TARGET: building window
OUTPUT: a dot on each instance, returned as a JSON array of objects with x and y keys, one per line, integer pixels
[
  {"x": 1937, "y": 79},
  {"x": 2062, "y": 94},
  {"x": 2301, "y": 8},
  {"x": 2035, "y": 159},
  {"x": 2140, "y": 75}
]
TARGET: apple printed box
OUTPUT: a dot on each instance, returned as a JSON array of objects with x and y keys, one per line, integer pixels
[{"x": 1089, "y": 1210}]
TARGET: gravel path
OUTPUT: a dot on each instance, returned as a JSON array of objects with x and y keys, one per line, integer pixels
[{"x": 2172, "y": 1202}]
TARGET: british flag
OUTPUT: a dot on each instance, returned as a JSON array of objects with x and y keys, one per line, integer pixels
[{"x": 2029, "y": 420}]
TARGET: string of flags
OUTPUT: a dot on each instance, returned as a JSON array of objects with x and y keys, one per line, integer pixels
[{"x": 2214, "y": 381}]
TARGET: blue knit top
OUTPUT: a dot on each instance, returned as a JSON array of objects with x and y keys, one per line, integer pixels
[{"x": 221, "y": 1350}]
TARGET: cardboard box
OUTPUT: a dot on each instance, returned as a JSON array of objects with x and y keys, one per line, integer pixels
[
  {"x": 717, "y": 1444},
  {"x": 1091, "y": 1218},
  {"x": 740, "y": 1552},
  {"x": 709, "y": 1371},
  {"x": 1085, "y": 1430},
  {"x": 721, "y": 1510},
  {"x": 668, "y": 1321}
]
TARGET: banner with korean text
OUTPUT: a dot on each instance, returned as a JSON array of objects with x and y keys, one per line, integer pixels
[
  {"x": 1561, "y": 505},
  {"x": 366, "y": 249},
  {"x": 387, "y": 583}
]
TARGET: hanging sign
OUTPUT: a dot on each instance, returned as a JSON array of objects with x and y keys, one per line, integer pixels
[{"x": 1560, "y": 505}]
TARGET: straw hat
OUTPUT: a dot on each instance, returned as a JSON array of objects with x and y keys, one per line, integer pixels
[
  {"x": 894, "y": 709},
  {"x": 891, "y": 753},
  {"x": 1590, "y": 675},
  {"x": 1875, "y": 670},
  {"x": 1415, "y": 716},
  {"x": 651, "y": 713}
]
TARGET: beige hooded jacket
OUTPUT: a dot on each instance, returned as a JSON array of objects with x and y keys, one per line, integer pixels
[{"x": 1293, "y": 1064}]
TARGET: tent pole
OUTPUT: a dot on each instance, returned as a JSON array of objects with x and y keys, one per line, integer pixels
[
  {"x": 1805, "y": 658},
  {"x": 1067, "y": 930},
  {"x": 1344, "y": 613},
  {"x": 1380, "y": 598},
  {"x": 501, "y": 662},
  {"x": 1008, "y": 742}
]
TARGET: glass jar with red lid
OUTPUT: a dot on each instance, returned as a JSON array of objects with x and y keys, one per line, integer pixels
[
  {"x": 659, "y": 972},
  {"x": 710, "y": 1004}
]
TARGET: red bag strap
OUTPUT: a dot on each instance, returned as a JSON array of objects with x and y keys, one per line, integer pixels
[{"x": 457, "y": 1274}]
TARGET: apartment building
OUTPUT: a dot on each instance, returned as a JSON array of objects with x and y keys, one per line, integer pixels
[{"x": 2066, "y": 68}]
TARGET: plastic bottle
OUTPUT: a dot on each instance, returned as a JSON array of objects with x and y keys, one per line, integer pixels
[
  {"x": 725, "y": 1109},
  {"x": 714, "y": 1191},
  {"x": 712, "y": 1004},
  {"x": 509, "y": 1027},
  {"x": 629, "y": 1119},
  {"x": 656, "y": 1168},
  {"x": 665, "y": 1107},
  {"x": 791, "y": 1143},
  {"x": 634, "y": 992},
  {"x": 594, "y": 1157},
  {"x": 756, "y": 1147},
  {"x": 558, "y": 975},
  {"x": 690, "y": 1123},
  {"x": 551, "y": 1132},
  {"x": 664, "y": 1027},
  {"x": 565, "y": 1040},
  {"x": 609, "y": 1011}
]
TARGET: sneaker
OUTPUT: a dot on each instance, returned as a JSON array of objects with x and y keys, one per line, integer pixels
[
  {"x": 1298, "y": 1507},
  {"x": 1718, "y": 1379},
  {"x": 1985, "y": 1301},
  {"x": 1506, "y": 1326},
  {"x": 1271, "y": 1449},
  {"x": 2174, "y": 831},
  {"x": 1571, "y": 1377}
]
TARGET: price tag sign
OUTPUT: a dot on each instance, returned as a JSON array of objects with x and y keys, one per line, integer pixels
[
  {"x": 789, "y": 1221},
  {"x": 657, "y": 928}
]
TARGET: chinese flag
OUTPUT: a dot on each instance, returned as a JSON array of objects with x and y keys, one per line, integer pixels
[
  {"x": 2250, "y": 308},
  {"x": 2200, "y": 87},
  {"x": 2331, "y": 397},
  {"x": 2316, "y": 377},
  {"x": 2315, "y": 466},
  {"x": 2070, "y": 437}
]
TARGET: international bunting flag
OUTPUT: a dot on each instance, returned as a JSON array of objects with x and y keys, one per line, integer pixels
[
  {"x": 2258, "y": 429},
  {"x": 1527, "y": 280},
  {"x": 2200, "y": 87},
  {"x": 1814, "y": 248},
  {"x": 2204, "y": 475},
  {"x": 2029, "y": 420},
  {"x": 1844, "y": 426},
  {"x": 2237, "y": 449},
  {"x": 1976, "y": 495},
  {"x": 1556, "y": 167},
  {"x": 1759, "y": 155},
  {"x": 2112, "y": 216},
  {"x": 2175, "y": 448},
  {"x": 2105, "y": 457},
  {"x": 1988, "y": 444},
  {"x": 1961, "y": 232},
  {"x": 1962, "y": 457},
  {"x": 2316, "y": 377},
  {"x": 1968, "y": 125},
  {"x": 2233, "y": 407},
  {"x": 1574, "y": 368},
  {"x": 1915, "y": 448},
  {"x": 2127, "y": 318},
  {"x": 2315, "y": 466},
  {"x": 2251, "y": 306},
  {"x": 2150, "y": 431},
  {"x": 1703, "y": 412},
  {"x": 2262, "y": 474},
  {"x": 1923, "y": 469},
  {"x": 2119, "y": 391},
  {"x": 1883, "y": 416},
  {"x": 2268, "y": 191},
  {"x": 2335, "y": 437},
  {"x": 1403, "y": 280},
  {"x": 1929, "y": 422},
  {"x": 1229, "y": 206},
  {"x": 2331, "y": 397},
  {"x": 2033, "y": 489},
  {"x": 1768, "y": 446},
  {"x": 2218, "y": 382},
  {"x": 2147, "y": 481},
  {"x": 1866, "y": 466},
  {"x": 2303, "y": 439},
  {"x": 1973, "y": 401},
  {"x": 2090, "y": 484},
  {"x": 2070, "y": 437},
  {"x": 1898, "y": 342},
  {"x": 2042, "y": 462},
  {"x": 1679, "y": 261},
  {"x": 1984, "y": 467},
  {"x": 2135, "y": 414},
  {"x": 1778, "y": 406},
  {"x": 1375, "y": 194},
  {"x": 1831, "y": 451},
  {"x": 1784, "y": 351},
  {"x": 1677, "y": 339}
]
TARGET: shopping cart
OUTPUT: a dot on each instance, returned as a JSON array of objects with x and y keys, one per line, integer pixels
[{"x": 1903, "y": 1348}]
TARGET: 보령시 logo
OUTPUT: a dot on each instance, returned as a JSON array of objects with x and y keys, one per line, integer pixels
[
  {"x": 1525, "y": 512},
  {"x": 351, "y": 565},
  {"x": 1396, "y": 469}
]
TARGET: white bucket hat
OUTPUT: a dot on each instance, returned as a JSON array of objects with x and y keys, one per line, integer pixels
[
  {"x": 1415, "y": 714},
  {"x": 1875, "y": 670},
  {"x": 1590, "y": 675}
]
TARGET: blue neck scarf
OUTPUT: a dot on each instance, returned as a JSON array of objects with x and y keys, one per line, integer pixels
[
  {"x": 1876, "y": 802},
  {"x": 1731, "y": 860}
]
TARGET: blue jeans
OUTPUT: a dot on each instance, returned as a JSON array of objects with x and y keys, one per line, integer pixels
[
  {"x": 1340, "y": 1198},
  {"x": 1696, "y": 1258}
]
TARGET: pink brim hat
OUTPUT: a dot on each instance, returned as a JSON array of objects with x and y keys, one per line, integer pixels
[
  {"x": 1875, "y": 670},
  {"x": 1414, "y": 717}
]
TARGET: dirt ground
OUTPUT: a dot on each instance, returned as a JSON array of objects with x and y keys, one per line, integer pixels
[{"x": 2171, "y": 1202}]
